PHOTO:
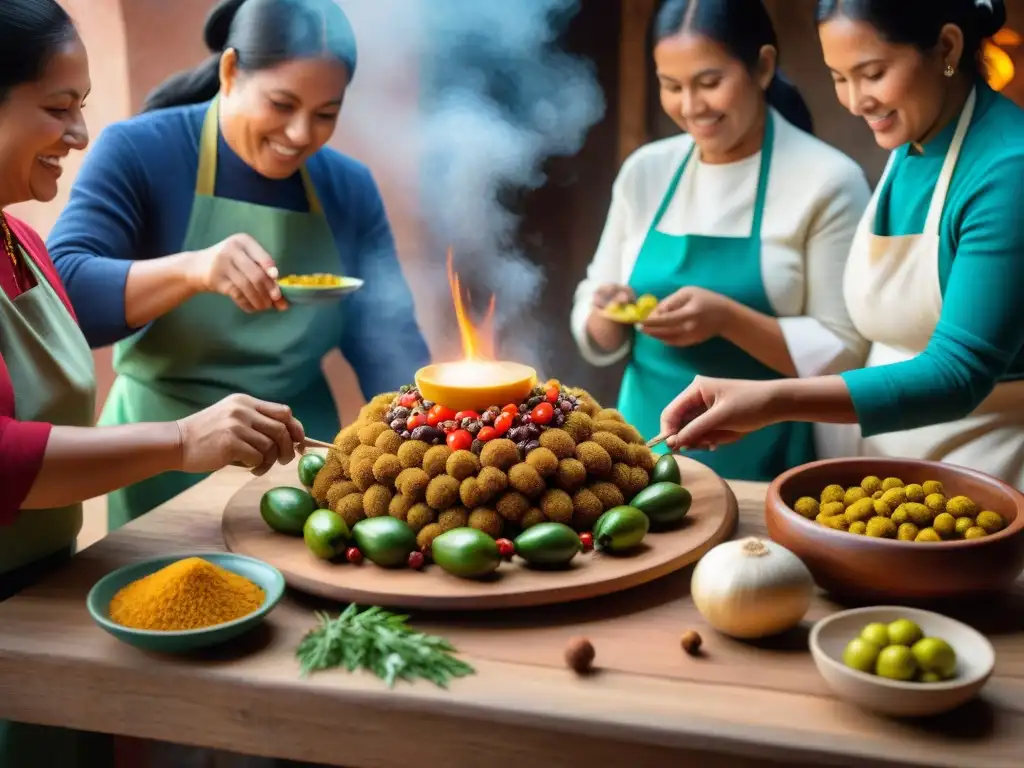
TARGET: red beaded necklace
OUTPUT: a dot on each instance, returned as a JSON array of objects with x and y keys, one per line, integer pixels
[{"x": 9, "y": 247}]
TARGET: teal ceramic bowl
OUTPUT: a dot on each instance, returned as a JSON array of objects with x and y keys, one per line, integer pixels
[
  {"x": 308, "y": 294},
  {"x": 258, "y": 572}
]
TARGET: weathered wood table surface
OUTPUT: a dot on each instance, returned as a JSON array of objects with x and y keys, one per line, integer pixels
[{"x": 649, "y": 704}]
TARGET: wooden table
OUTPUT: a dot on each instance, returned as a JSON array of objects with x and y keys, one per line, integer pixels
[{"x": 58, "y": 668}]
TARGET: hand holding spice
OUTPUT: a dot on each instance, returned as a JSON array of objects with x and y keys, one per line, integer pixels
[{"x": 189, "y": 594}]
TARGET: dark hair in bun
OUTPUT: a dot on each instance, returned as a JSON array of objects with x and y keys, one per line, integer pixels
[
  {"x": 919, "y": 22},
  {"x": 31, "y": 32},
  {"x": 263, "y": 33},
  {"x": 743, "y": 28}
]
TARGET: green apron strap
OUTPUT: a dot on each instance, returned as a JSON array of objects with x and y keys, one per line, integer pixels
[
  {"x": 206, "y": 175},
  {"x": 667, "y": 199},
  {"x": 762, "y": 180}
]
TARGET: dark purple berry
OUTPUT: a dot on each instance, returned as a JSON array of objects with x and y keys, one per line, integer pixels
[
  {"x": 488, "y": 417},
  {"x": 477, "y": 447},
  {"x": 427, "y": 434},
  {"x": 473, "y": 427},
  {"x": 565, "y": 406},
  {"x": 532, "y": 445},
  {"x": 428, "y": 404},
  {"x": 406, "y": 434},
  {"x": 398, "y": 424}
]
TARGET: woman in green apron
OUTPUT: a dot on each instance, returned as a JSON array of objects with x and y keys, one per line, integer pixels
[
  {"x": 934, "y": 274},
  {"x": 51, "y": 456},
  {"x": 180, "y": 219},
  {"x": 739, "y": 228}
]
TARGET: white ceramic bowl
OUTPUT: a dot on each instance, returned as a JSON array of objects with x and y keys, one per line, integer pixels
[{"x": 975, "y": 661}]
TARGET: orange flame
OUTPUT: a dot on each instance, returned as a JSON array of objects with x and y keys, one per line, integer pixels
[{"x": 477, "y": 342}]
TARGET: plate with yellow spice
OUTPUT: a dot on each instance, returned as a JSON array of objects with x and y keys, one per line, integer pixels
[
  {"x": 316, "y": 288},
  {"x": 180, "y": 603}
]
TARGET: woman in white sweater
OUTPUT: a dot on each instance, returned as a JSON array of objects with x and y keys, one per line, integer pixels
[{"x": 740, "y": 228}]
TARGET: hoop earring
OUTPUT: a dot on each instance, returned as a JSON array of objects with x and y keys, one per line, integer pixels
[{"x": 950, "y": 70}]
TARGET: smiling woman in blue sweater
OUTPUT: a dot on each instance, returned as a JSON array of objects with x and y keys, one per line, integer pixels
[{"x": 181, "y": 218}]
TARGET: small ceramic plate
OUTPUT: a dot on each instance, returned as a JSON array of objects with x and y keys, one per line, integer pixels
[
  {"x": 314, "y": 294},
  {"x": 258, "y": 572},
  {"x": 975, "y": 661}
]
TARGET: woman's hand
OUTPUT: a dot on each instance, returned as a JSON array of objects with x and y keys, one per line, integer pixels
[
  {"x": 689, "y": 316},
  {"x": 712, "y": 412},
  {"x": 612, "y": 293},
  {"x": 605, "y": 332},
  {"x": 240, "y": 269},
  {"x": 239, "y": 429}
]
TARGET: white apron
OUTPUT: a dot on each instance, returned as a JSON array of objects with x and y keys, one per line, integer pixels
[{"x": 881, "y": 274}]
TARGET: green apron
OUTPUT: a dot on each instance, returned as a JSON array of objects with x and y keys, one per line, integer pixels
[
  {"x": 208, "y": 348},
  {"x": 51, "y": 368},
  {"x": 656, "y": 373}
]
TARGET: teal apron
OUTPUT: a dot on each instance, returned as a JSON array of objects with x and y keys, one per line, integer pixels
[
  {"x": 657, "y": 372},
  {"x": 54, "y": 379},
  {"x": 208, "y": 348}
]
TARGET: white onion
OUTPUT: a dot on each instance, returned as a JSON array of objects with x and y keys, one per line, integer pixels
[{"x": 751, "y": 588}]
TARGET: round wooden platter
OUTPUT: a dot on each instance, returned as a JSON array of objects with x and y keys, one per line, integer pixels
[{"x": 711, "y": 520}]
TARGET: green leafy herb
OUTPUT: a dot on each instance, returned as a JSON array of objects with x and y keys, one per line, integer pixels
[{"x": 382, "y": 642}]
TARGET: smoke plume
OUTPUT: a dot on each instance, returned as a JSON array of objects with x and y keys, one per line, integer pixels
[{"x": 497, "y": 96}]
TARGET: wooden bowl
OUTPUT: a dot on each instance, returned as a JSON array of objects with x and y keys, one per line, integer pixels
[
  {"x": 975, "y": 662},
  {"x": 866, "y": 568}
]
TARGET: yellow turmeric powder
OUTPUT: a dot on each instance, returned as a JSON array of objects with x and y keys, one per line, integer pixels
[{"x": 189, "y": 594}]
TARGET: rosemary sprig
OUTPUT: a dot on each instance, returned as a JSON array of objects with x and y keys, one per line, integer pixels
[{"x": 382, "y": 642}]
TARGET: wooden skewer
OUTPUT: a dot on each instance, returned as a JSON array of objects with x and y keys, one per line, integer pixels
[
  {"x": 309, "y": 442},
  {"x": 657, "y": 440}
]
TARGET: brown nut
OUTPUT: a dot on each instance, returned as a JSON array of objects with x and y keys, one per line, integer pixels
[
  {"x": 691, "y": 642},
  {"x": 579, "y": 655}
]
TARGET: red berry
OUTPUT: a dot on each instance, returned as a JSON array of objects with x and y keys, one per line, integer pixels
[
  {"x": 511, "y": 408},
  {"x": 439, "y": 413},
  {"x": 353, "y": 555},
  {"x": 408, "y": 400},
  {"x": 587, "y": 539},
  {"x": 542, "y": 413},
  {"x": 486, "y": 433},
  {"x": 416, "y": 560},
  {"x": 416, "y": 420},
  {"x": 551, "y": 395},
  {"x": 460, "y": 440},
  {"x": 506, "y": 548},
  {"x": 466, "y": 415},
  {"x": 503, "y": 423}
]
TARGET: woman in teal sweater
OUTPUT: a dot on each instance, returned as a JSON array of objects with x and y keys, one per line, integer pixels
[{"x": 935, "y": 272}]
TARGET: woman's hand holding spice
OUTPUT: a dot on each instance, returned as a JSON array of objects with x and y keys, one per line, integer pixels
[{"x": 239, "y": 429}]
